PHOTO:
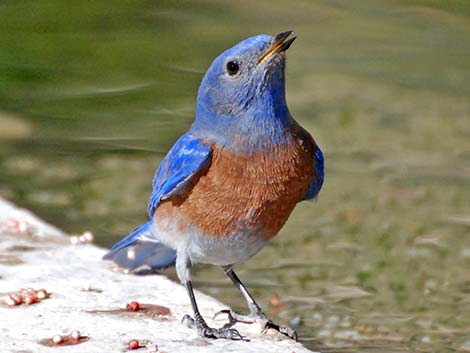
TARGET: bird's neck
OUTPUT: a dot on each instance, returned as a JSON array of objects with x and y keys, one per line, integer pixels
[{"x": 266, "y": 123}]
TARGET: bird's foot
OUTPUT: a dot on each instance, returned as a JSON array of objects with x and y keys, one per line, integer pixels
[
  {"x": 208, "y": 332},
  {"x": 260, "y": 318}
]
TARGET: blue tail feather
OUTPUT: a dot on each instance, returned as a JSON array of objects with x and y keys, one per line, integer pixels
[
  {"x": 131, "y": 237},
  {"x": 135, "y": 251}
]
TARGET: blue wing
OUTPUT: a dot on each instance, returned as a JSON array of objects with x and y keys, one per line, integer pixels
[
  {"x": 187, "y": 157},
  {"x": 145, "y": 254},
  {"x": 319, "y": 171}
]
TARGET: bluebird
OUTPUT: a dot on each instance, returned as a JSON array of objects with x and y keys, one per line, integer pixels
[{"x": 229, "y": 184}]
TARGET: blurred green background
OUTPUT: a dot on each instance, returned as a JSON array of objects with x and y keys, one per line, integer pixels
[{"x": 93, "y": 93}]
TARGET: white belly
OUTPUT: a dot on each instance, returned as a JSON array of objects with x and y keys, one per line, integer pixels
[{"x": 216, "y": 250}]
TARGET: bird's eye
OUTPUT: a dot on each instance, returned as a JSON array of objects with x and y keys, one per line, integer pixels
[{"x": 233, "y": 67}]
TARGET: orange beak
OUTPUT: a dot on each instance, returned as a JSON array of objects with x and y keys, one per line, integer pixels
[{"x": 280, "y": 45}]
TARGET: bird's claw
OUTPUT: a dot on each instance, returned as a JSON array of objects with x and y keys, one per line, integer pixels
[
  {"x": 285, "y": 330},
  {"x": 234, "y": 317},
  {"x": 208, "y": 332},
  {"x": 188, "y": 321}
]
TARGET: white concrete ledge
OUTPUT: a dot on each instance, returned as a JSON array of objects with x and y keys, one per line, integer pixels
[{"x": 36, "y": 255}]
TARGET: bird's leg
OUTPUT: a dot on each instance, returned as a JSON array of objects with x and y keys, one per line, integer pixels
[
  {"x": 200, "y": 324},
  {"x": 256, "y": 314}
]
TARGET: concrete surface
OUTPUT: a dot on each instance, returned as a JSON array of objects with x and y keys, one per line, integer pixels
[{"x": 36, "y": 255}]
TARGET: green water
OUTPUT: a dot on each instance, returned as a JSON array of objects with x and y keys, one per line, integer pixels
[{"x": 92, "y": 94}]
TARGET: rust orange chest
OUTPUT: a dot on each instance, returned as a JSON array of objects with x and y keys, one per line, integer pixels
[{"x": 252, "y": 194}]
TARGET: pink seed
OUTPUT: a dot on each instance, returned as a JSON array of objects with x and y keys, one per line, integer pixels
[
  {"x": 75, "y": 335},
  {"x": 41, "y": 294},
  {"x": 88, "y": 236},
  {"x": 23, "y": 226},
  {"x": 133, "y": 344},
  {"x": 12, "y": 223},
  {"x": 10, "y": 302},
  {"x": 133, "y": 306},
  {"x": 17, "y": 298},
  {"x": 29, "y": 299},
  {"x": 57, "y": 339}
]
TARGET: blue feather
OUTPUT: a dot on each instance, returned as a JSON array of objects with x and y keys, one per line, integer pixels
[
  {"x": 146, "y": 255},
  {"x": 319, "y": 173},
  {"x": 131, "y": 237},
  {"x": 150, "y": 254},
  {"x": 187, "y": 157}
]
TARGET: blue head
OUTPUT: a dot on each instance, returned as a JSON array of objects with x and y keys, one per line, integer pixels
[{"x": 241, "y": 101}]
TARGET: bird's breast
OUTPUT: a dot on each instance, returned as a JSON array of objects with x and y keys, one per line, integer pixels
[{"x": 245, "y": 194}]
